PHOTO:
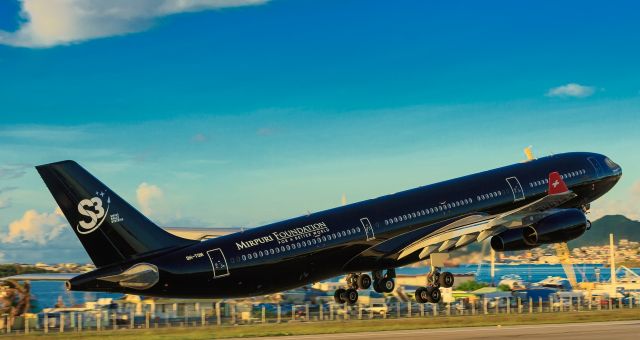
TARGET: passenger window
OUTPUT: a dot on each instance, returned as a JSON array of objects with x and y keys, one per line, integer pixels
[
  {"x": 386, "y": 222},
  {"x": 288, "y": 247},
  {"x": 271, "y": 251},
  {"x": 358, "y": 229},
  {"x": 249, "y": 256},
  {"x": 282, "y": 249},
  {"x": 244, "y": 258},
  {"x": 260, "y": 253},
  {"x": 395, "y": 219},
  {"x": 344, "y": 233},
  {"x": 313, "y": 240},
  {"x": 413, "y": 215},
  {"x": 298, "y": 245},
  {"x": 255, "y": 255},
  {"x": 324, "y": 239},
  {"x": 277, "y": 250},
  {"x": 448, "y": 205},
  {"x": 348, "y": 232}
]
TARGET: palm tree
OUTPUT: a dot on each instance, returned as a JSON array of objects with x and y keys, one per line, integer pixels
[{"x": 17, "y": 298}]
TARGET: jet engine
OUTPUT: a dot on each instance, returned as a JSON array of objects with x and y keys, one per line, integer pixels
[{"x": 562, "y": 226}]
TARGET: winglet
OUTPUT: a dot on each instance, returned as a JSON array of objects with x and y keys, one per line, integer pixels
[{"x": 556, "y": 184}]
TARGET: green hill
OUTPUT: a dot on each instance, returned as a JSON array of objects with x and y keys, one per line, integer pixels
[{"x": 620, "y": 226}]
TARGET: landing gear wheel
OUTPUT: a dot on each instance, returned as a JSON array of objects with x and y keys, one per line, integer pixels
[
  {"x": 364, "y": 281},
  {"x": 352, "y": 280},
  {"x": 434, "y": 294},
  {"x": 376, "y": 287},
  {"x": 435, "y": 279},
  {"x": 421, "y": 295},
  {"x": 387, "y": 285},
  {"x": 351, "y": 296},
  {"x": 340, "y": 296},
  {"x": 446, "y": 280}
]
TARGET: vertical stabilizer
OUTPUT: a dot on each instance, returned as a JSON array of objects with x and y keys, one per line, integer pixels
[{"x": 109, "y": 228}]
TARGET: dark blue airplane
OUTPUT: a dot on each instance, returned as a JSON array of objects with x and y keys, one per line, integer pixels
[{"x": 519, "y": 206}]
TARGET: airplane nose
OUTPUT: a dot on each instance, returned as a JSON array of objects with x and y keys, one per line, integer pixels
[{"x": 614, "y": 168}]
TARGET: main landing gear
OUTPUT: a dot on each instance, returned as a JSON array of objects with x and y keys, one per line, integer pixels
[
  {"x": 384, "y": 283},
  {"x": 381, "y": 284},
  {"x": 435, "y": 280}
]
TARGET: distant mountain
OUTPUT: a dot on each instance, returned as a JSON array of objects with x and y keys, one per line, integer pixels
[{"x": 620, "y": 226}]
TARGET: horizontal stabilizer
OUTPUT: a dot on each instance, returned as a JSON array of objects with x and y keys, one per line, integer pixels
[{"x": 139, "y": 276}]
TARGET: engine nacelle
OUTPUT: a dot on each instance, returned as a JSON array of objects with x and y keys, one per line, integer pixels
[{"x": 562, "y": 226}]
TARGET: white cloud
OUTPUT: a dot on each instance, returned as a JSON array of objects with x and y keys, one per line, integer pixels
[
  {"x": 571, "y": 90},
  {"x": 55, "y": 22},
  {"x": 35, "y": 227},
  {"x": 149, "y": 196},
  {"x": 629, "y": 206}
]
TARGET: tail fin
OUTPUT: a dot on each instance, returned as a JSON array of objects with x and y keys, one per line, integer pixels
[
  {"x": 556, "y": 184},
  {"x": 109, "y": 228}
]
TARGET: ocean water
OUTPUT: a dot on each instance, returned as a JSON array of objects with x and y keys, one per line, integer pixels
[
  {"x": 47, "y": 293},
  {"x": 528, "y": 272}
]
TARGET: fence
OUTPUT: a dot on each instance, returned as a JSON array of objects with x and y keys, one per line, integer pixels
[{"x": 224, "y": 314}]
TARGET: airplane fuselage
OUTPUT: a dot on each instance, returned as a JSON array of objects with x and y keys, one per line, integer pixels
[{"x": 359, "y": 237}]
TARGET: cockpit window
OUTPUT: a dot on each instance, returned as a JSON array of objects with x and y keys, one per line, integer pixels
[{"x": 611, "y": 164}]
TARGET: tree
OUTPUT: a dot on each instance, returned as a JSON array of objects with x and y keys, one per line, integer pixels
[
  {"x": 469, "y": 286},
  {"x": 17, "y": 298},
  {"x": 504, "y": 288}
]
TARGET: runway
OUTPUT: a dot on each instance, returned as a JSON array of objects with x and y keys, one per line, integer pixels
[{"x": 594, "y": 330}]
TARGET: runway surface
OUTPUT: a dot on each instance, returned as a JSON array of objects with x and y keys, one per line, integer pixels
[{"x": 594, "y": 330}]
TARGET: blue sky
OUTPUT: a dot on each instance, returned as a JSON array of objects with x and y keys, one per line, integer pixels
[{"x": 238, "y": 113}]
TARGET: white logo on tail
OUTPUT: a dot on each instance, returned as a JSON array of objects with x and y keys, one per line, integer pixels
[{"x": 93, "y": 209}]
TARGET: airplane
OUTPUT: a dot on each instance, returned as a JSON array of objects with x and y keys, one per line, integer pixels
[{"x": 520, "y": 206}]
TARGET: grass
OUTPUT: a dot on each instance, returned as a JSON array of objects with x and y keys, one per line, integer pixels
[{"x": 217, "y": 332}]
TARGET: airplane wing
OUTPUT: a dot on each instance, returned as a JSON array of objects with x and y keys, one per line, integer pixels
[
  {"x": 41, "y": 277},
  {"x": 479, "y": 227}
]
